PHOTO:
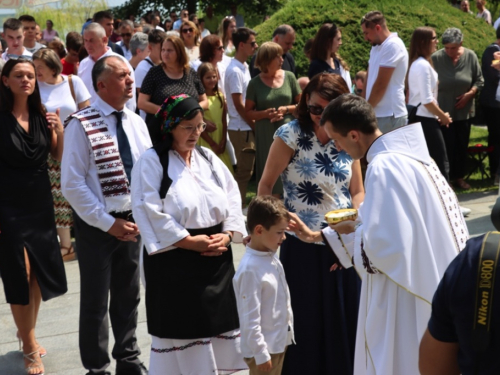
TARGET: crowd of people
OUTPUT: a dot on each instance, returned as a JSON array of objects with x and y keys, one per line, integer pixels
[{"x": 165, "y": 123}]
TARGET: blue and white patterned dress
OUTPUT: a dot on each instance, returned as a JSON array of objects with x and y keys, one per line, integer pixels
[
  {"x": 317, "y": 178},
  {"x": 325, "y": 304}
]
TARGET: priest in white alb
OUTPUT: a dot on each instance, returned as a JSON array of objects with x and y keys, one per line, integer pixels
[{"x": 410, "y": 228}]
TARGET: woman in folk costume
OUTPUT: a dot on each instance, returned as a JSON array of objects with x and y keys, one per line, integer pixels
[{"x": 187, "y": 206}]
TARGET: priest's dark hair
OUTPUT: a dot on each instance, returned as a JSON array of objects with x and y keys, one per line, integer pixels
[
  {"x": 267, "y": 211},
  {"x": 350, "y": 112},
  {"x": 7, "y": 98}
]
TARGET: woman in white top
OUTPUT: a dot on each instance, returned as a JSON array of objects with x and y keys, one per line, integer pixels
[
  {"x": 226, "y": 30},
  {"x": 187, "y": 206},
  {"x": 58, "y": 93},
  {"x": 423, "y": 91},
  {"x": 190, "y": 35}
]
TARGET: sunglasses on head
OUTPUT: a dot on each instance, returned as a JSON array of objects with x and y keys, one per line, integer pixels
[
  {"x": 190, "y": 30},
  {"x": 315, "y": 109}
]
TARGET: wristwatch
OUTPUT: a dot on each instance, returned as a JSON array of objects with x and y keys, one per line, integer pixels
[{"x": 230, "y": 238}]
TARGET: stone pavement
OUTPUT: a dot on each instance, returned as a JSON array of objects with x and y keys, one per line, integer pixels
[{"x": 58, "y": 320}]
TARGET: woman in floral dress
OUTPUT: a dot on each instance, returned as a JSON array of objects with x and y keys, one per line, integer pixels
[{"x": 316, "y": 178}]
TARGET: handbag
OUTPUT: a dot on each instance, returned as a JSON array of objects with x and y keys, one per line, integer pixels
[{"x": 412, "y": 112}]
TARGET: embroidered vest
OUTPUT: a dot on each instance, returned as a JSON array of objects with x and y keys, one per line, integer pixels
[{"x": 110, "y": 171}]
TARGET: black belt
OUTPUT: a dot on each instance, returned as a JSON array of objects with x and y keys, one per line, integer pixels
[{"x": 125, "y": 215}]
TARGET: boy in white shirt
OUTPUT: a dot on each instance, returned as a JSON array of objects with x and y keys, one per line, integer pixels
[{"x": 262, "y": 295}]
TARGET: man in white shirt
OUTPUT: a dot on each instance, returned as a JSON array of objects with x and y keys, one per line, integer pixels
[
  {"x": 385, "y": 82},
  {"x": 29, "y": 29},
  {"x": 95, "y": 42},
  {"x": 241, "y": 129},
  {"x": 14, "y": 36},
  {"x": 126, "y": 31},
  {"x": 103, "y": 142},
  {"x": 184, "y": 17},
  {"x": 155, "y": 40},
  {"x": 410, "y": 230}
]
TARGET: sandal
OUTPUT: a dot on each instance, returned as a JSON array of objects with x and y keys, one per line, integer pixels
[
  {"x": 462, "y": 184},
  {"x": 35, "y": 362},
  {"x": 69, "y": 255},
  {"x": 40, "y": 349}
]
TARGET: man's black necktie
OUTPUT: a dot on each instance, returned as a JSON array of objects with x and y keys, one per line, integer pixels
[{"x": 123, "y": 145}]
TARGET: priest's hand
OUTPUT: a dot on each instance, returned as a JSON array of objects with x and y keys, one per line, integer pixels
[
  {"x": 344, "y": 227},
  {"x": 266, "y": 366},
  {"x": 124, "y": 230},
  {"x": 305, "y": 234}
]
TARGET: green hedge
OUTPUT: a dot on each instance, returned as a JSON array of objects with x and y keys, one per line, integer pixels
[{"x": 403, "y": 16}]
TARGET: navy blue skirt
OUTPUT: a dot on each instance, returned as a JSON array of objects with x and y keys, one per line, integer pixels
[{"x": 325, "y": 308}]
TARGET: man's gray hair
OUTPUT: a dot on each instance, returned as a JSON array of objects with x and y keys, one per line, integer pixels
[
  {"x": 102, "y": 67},
  {"x": 127, "y": 23},
  {"x": 139, "y": 41},
  {"x": 95, "y": 28},
  {"x": 452, "y": 35},
  {"x": 283, "y": 30}
]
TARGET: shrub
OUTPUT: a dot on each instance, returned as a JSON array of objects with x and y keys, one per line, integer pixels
[{"x": 403, "y": 16}]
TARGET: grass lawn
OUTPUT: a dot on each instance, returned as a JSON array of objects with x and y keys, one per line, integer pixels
[{"x": 478, "y": 135}]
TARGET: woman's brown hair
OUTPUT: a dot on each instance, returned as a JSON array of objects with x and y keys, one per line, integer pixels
[
  {"x": 208, "y": 46},
  {"x": 6, "y": 96},
  {"x": 324, "y": 37},
  {"x": 223, "y": 34},
  {"x": 328, "y": 86},
  {"x": 196, "y": 31},
  {"x": 180, "y": 50},
  {"x": 50, "y": 58},
  {"x": 420, "y": 46}
]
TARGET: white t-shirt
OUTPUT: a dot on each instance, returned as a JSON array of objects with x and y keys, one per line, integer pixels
[
  {"x": 59, "y": 96},
  {"x": 25, "y": 53},
  {"x": 390, "y": 54},
  {"x": 236, "y": 82},
  {"x": 423, "y": 85},
  {"x": 140, "y": 72},
  {"x": 497, "y": 23}
]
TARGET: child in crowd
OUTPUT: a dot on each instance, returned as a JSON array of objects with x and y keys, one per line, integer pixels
[
  {"x": 262, "y": 295},
  {"x": 216, "y": 113}
]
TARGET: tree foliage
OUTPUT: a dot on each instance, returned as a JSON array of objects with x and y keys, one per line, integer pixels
[
  {"x": 403, "y": 16},
  {"x": 69, "y": 15}
]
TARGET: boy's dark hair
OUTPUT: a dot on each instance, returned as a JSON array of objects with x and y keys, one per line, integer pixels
[
  {"x": 27, "y": 18},
  {"x": 156, "y": 36},
  {"x": 74, "y": 41},
  {"x": 12, "y": 24},
  {"x": 265, "y": 210},
  {"x": 103, "y": 14},
  {"x": 241, "y": 35},
  {"x": 350, "y": 112}
]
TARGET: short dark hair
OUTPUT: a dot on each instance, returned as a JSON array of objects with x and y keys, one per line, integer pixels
[
  {"x": 207, "y": 47},
  {"x": 283, "y": 30},
  {"x": 101, "y": 67},
  {"x": 101, "y": 15},
  {"x": 267, "y": 211},
  {"x": 156, "y": 36},
  {"x": 12, "y": 24},
  {"x": 373, "y": 18},
  {"x": 241, "y": 35},
  {"x": 74, "y": 41},
  {"x": 350, "y": 112},
  {"x": 27, "y": 18}
]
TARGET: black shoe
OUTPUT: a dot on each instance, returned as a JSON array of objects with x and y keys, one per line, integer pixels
[
  {"x": 139, "y": 369},
  {"x": 98, "y": 373}
]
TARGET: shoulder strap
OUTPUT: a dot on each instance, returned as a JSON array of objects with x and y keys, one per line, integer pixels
[
  {"x": 488, "y": 261},
  {"x": 150, "y": 62},
  {"x": 205, "y": 156},
  {"x": 72, "y": 88}
]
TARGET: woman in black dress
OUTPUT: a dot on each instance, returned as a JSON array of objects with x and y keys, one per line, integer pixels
[
  {"x": 172, "y": 77},
  {"x": 30, "y": 261}
]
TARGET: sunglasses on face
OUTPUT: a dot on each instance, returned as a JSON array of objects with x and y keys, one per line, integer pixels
[
  {"x": 315, "y": 109},
  {"x": 190, "y": 30},
  {"x": 252, "y": 43},
  {"x": 128, "y": 35}
]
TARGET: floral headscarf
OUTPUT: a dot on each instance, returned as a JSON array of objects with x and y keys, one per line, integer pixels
[{"x": 174, "y": 109}]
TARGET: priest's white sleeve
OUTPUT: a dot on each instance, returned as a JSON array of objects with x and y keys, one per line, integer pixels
[
  {"x": 159, "y": 230},
  {"x": 341, "y": 245}
]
